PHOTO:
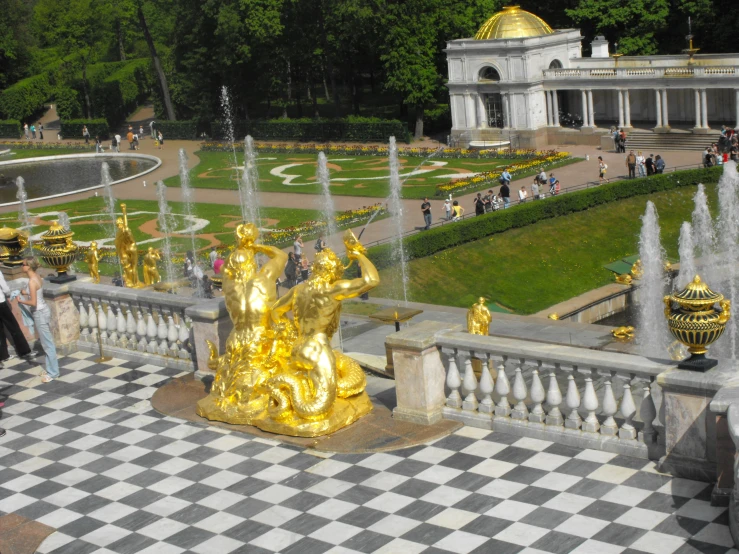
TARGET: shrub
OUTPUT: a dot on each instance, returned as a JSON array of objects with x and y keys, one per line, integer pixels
[
  {"x": 177, "y": 130},
  {"x": 21, "y": 100},
  {"x": 120, "y": 92},
  {"x": 67, "y": 103},
  {"x": 10, "y": 129},
  {"x": 323, "y": 130},
  {"x": 447, "y": 236},
  {"x": 72, "y": 128}
]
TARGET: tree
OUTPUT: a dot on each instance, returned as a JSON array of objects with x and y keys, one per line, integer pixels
[
  {"x": 156, "y": 62},
  {"x": 16, "y": 41}
]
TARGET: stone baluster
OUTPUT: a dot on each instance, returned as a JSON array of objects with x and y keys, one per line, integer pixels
[
  {"x": 537, "y": 395},
  {"x": 84, "y": 330},
  {"x": 183, "y": 338},
  {"x": 453, "y": 381},
  {"x": 120, "y": 324},
  {"x": 469, "y": 385},
  {"x": 572, "y": 401},
  {"x": 627, "y": 409},
  {"x": 102, "y": 324},
  {"x": 141, "y": 331},
  {"x": 648, "y": 411},
  {"x": 502, "y": 388},
  {"x": 92, "y": 321},
  {"x": 486, "y": 405},
  {"x": 131, "y": 328},
  {"x": 162, "y": 332},
  {"x": 111, "y": 326},
  {"x": 554, "y": 399},
  {"x": 590, "y": 403},
  {"x": 520, "y": 411},
  {"x": 609, "y": 409},
  {"x": 171, "y": 336},
  {"x": 151, "y": 332}
]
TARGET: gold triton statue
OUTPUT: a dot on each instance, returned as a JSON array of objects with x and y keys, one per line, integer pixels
[
  {"x": 278, "y": 374},
  {"x": 151, "y": 273},
  {"x": 127, "y": 251},
  {"x": 478, "y": 318},
  {"x": 92, "y": 258}
]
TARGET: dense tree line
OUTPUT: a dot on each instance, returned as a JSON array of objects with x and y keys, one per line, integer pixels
[{"x": 306, "y": 58}]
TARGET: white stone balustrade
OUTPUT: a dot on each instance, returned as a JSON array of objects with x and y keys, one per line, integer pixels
[{"x": 640, "y": 73}]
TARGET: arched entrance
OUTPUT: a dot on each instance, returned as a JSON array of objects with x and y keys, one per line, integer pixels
[{"x": 492, "y": 101}]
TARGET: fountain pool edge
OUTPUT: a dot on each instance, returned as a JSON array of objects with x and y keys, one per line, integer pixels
[{"x": 157, "y": 164}]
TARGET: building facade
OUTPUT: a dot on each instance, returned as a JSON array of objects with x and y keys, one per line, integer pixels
[{"x": 518, "y": 77}]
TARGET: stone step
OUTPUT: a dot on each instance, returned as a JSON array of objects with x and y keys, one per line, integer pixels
[{"x": 670, "y": 141}]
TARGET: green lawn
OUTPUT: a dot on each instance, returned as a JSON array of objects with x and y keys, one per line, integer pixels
[
  {"x": 534, "y": 267},
  {"x": 366, "y": 175},
  {"x": 22, "y": 154}
]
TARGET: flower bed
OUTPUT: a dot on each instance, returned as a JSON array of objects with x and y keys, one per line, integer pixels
[
  {"x": 40, "y": 145},
  {"x": 544, "y": 160}
]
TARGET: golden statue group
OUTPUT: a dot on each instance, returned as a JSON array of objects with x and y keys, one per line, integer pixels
[{"x": 281, "y": 374}]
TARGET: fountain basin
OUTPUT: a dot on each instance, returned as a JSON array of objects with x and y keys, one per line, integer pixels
[{"x": 58, "y": 176}]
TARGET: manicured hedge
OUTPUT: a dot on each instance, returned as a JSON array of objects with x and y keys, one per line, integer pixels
[
  {"x": 10, "y": 129},
  {"x": 67, "y": 102},
  {"x": 72, "y": 128},
  {"x": 21, "y": 100},
  {"x": 177, "y": 130},
  {"x": 321, "y": 130},
  {"x": 119, "y": 93},
  {"x": 447, "y": 236}
]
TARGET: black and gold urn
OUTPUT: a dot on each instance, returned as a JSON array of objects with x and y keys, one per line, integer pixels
[
  {"x": 12, "y": 243},
  {"x": 59, "y": 252},
  {"x": 695, "y": 321}
]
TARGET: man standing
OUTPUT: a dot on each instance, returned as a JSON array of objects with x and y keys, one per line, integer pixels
[
  {"x": 26, "y": 132},
  {"x": 631, "y": 164},
  {"x": 542, "y": 177},
  {"x": 426, "y": 209},
  {"x": 298, "y": 248},
  {"x": 649, "y": 164},
  {"x": 535, "y": 189},
  {"x": 505, "y": 193},
  {"x": 213, "y": 256},
  {"x": 8, "y": 321},
  {"x": 479, "y": 205},
  {"x": 117, "y": 142},
  {"x": 129, "y": 136}
]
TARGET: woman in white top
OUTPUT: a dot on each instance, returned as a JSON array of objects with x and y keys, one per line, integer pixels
[
  {"x": 640, "y": 167},
  {"x": 41, "y": 317},
  {"x": 522, "y": 195}
]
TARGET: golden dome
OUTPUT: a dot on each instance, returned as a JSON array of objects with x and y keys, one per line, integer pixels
[{"x": 513, "y": 22}]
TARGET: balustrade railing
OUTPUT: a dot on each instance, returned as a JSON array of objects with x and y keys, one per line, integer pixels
[
  {"x": 135, "y": 321},
  {"x": 640, "y": 72}
]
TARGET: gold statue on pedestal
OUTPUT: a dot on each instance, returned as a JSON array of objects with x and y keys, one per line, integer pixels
[
  {"x": 478, "y": 318},
  {"x": 92, "y": 258},
  {"x": 128, "y": 254},
  {"x": 278, "y": 374},
  {"x": 151, "y": 273}
]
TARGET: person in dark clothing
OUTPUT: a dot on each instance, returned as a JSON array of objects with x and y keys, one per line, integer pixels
[
  {"x": 505, "y": 193},
  {"x": 426, "y": 209},
  {"x": 8, "y": 321},
  {"x": 291, "y": 271},
  {"x": 479, "y": 205},
  {"x": 649, "y": 163}
]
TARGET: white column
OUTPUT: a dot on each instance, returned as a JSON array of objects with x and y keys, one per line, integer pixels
[
  {"x": 591, "y": 111},
  {"x": 704, "y": 109},
  {"x": 585, "y": 118},
  {"x": 555, "y": 108},
  {"x": 470, "y": 111},
  {"x": 627, "y": 108},
  {"x": 658, "y": 103},
  {"x": 483, "y": 117},
  {"x": 506, "y": 112},
  {"x": 550, "y": 117},
  {"x": 665, "y": 109},
  {"x": 620, "y": 108},
  {"x": 697, "y": 109}
]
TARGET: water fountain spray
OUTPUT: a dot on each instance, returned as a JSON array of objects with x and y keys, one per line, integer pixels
[
  {"x": 328, "y": 211},
  {"x": 687, "y": 256},
  {"x": 110, "y": 203},
  {"x": 395, "y": 207},
  {"x": 228, "y": 126},
  {"x": 727, "y": 234},
  {"x": 652, "y": 337},
  {"x": 165, "y": 227},
  {"x": 22, "y": 196},
  {"x": 703, "y": 235},
  {"x": 248, "y": 184},
  {"x": 187, "y": 196}
]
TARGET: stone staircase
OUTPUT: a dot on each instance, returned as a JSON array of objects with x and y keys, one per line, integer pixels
[{"x": 681, "y": 140}]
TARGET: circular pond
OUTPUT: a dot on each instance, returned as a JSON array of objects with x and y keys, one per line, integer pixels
[{"x": 59, "y": 175}]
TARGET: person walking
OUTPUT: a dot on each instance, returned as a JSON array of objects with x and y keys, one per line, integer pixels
[
  {"x": 291, "y": 271},
  {"x": 448, "y": 209},
  {"x": 535, "y": 188},
  {"x": 86, "y": 134},
  {"x": 33, "y": 131},
  {"x": 659, "y": 165},
  {"x": 631, "y": 164},
  {"x": 8, "y": 321},
  {"x": 320, "y": 244},
  {"x": 40, "y": 131},
  {"x": 553, "y": 184},
  {"x": 26, "y": 131},
  {"x": 298, "y": 247},
  {"x": 426, "y": 210},
  {"x": 488, "y": 201},
  {"x": 161, "y": 140},
  {"x": 522, "y": 195},
  {"x": 505, "y": 177},
  {"x": 505, "y": 193},
  {"x": 640, "y": 164},
  {"x": 457, "y": 211},
  {"x": 479, "y": 205},
  {"x": 141, "y": 132},
  {"x": 649, "y": 165},
  {"x": 129, "y": 136},
  {"x": 98, "y": 146},
  {"x": 113, "y": 145},
  {"x": 213, "y": 256},
  {"x": 602, "y": 168},
  {"x": 41, "y": 317}
]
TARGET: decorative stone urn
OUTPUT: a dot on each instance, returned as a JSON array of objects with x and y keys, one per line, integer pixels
[
  {"x": 59, "y": 252},
  {"x": 12, "y": 243},
  {"x": 696, "y": 322}
]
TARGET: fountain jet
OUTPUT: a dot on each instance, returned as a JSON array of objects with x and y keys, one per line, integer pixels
[
  {"x": 687, "y": 256},
  {"x": 248, "y": 184},
  {"x": 165, "y": 227},
  {"x": 22, "y": 196},
  {"x": 187, "y": 197},
  {"x": 395, "y": 208},
  {"x": 328, "y": 212}
]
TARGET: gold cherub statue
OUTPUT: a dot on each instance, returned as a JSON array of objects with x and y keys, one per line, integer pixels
[
  {"x": 478, "y": 318},
  {"x": 151, "y": 273},
  {"x": 623, "y": 333},
  {"x": 637, "y": 270},
  {"x": 128, "y": 254},
  {"x": 92, "y": 258},
  {"x": 624, "y": 279}
]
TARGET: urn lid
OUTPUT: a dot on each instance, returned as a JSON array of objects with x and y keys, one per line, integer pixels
[
  {"x": 6, "y": 233},
  {"x": 56, "y": 231},
  {"x": 697, "y": 293}
]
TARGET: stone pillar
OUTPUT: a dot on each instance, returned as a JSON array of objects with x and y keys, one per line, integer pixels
[
  {"x": 665, "y": 110},
  {"x": 506, "y": 111},
  {"x": 555, "y": 108},
  {"x": 483, "y": 118},
  {"x": 210, "y": 321},
  {"x": 658, "y": 103},
  {"x": 469, "y": 110},
  {"x": 697, "y": 109},
  {"x": 550, "y": 116},
  {"x": 65, "y": 318},
  {"x": 585, "y": 118},
  {"x": 591, "y": 111},
  {"x": 627, "y": 108},
  {"x": 420, "y": 375},
  {"x": 620, "y": 108},
  {"x": 704, "y": 109}
]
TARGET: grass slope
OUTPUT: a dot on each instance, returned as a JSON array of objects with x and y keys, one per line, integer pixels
[{"x": 532, "y": 268}]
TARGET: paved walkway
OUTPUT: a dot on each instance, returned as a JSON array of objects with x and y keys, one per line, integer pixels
[{"x": 88, "y": 456}]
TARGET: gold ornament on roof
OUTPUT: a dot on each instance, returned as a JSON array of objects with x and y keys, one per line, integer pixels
[
  {"x": 513, "y": 22},
  {"x": 127, "y": 250}
]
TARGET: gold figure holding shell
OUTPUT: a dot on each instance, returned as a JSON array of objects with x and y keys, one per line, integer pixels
[
  {"x": 127, "y": 250},
  {"x": 151, "y": 273},
  {"x": 92, "y": 258},
  {"x": 479, "y": 318}
]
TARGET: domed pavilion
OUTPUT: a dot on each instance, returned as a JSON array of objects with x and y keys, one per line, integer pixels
[{"x": 519, "y": 81}]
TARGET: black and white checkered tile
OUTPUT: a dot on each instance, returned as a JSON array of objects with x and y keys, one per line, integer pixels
[{"x": 88, "y": 456}]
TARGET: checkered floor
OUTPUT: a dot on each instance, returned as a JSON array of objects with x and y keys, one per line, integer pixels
[{"x": 88, "y": 456}]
